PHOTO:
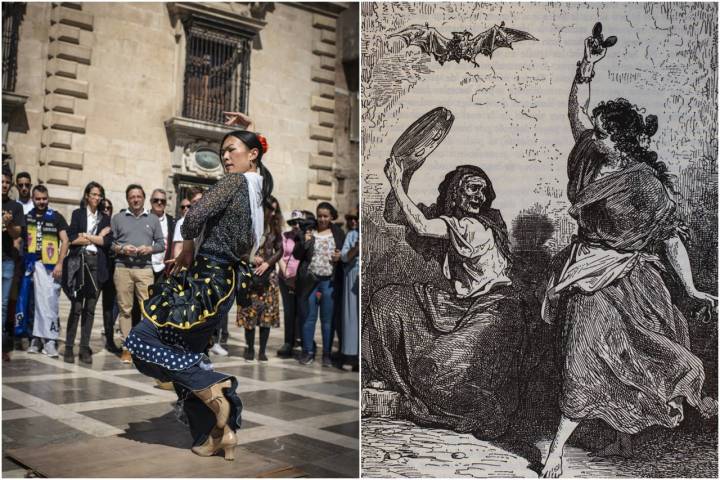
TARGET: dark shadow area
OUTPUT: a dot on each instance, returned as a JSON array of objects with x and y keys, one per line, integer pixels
[
  {"x": 18, "y": 120},
  {"x": 698, "y": 206},
  {"x": 165, "y": 430},
  {"x": 538, "y": 412}
]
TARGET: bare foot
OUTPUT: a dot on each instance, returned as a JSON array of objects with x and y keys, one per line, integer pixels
[
  {"x": 676, "y": 410},
  {"x": 708, "y": 408},
  {"x": 615, "y": 449},
  {"x": 552, "y": 468}
]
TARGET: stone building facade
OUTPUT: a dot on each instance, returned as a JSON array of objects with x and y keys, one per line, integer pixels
[{"x": 126, "y": 93}]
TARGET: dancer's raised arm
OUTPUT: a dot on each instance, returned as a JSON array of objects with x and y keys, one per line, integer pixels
[
  {"x": 579, "y": 98},
  {"x": 430, "y": 227}
]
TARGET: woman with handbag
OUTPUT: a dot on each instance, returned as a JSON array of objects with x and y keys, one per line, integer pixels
[
  {"x": 287, "y": 276},
  {"x": 264, "y": 310},
  {"x": 90, "y": 237}
]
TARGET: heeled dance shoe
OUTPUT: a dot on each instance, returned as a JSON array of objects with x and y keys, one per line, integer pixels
[{"x": 219, "y": 439}]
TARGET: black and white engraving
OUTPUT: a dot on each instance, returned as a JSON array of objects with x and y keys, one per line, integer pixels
[
  {"x": 462, "y": 45},
  {"x": 540, "y": 242}
]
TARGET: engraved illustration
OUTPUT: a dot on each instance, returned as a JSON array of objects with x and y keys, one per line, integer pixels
[
  {"x": 540, "y": 300},
  {"x": 462, "y": 45}
]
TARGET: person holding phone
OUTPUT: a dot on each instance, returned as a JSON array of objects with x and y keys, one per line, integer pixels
[{"x": 321, "y": 277}]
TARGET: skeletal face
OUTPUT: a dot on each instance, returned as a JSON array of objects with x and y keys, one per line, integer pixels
[{"x": 471, "y": 194}]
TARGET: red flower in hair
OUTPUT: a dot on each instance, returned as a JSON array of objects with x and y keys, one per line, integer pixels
[{"x": 263, "y": 142}]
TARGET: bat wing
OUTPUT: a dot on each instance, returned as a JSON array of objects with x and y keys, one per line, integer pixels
[
  {"x": 427, "y": 38},
  {"x": 498, "y": 36}
]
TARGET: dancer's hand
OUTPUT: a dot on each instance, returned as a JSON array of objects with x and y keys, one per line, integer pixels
[
  {"x": 708, "y": 299},
  {"x": 239, "y": 118},
  {"x": 594, "y": 52},
  {"x": 181, "y": 262},
  {"x": 262, "y": 268},
  {"x": 105, "y": 231}
]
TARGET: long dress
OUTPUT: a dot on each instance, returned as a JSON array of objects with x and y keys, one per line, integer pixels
[
  {"x": 454, "y": 354},
  {"x": 625, "y": 346},
  {"x": 183, "y": 311},
  {"x": 351, "y": 270},
  {"x": 264, "y": 309}
]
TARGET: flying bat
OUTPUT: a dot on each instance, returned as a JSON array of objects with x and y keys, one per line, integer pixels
[{"x": 462, "y": 45}]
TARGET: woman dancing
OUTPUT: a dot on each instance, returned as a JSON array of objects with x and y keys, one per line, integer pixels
[
  {"x": 626, "y": 350},
  {"x": 182, "y": 312}
]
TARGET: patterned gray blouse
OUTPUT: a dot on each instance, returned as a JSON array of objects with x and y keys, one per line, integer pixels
[{"x": 224, "y": 211}]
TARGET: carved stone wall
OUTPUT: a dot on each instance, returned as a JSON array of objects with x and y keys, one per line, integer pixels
[{"x": 104, "y": 83}]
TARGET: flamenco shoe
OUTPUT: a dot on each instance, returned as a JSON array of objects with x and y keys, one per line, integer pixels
[
  {"x": 228, "y": 443},
  {"x": 210, "y": 446},
  {"x": 219, "y": 439},
  {"x": 215, "y": 400}
]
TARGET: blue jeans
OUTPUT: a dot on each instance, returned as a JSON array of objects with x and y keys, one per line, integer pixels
[
  {"x": 8, "y": 273},
  {"x": 325, "y": 287}
]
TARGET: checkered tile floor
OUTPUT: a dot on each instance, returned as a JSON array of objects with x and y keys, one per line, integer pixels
[{"x": 304, "y": 416}]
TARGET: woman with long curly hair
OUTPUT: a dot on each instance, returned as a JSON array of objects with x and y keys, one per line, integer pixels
[{"x": 625, "y": 348}]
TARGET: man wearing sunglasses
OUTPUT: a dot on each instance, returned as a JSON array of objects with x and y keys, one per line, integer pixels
[
  {"x": 23, "y": 183},
  {"x": 136, "y": 236},
  {"x": 192, "y": 196},
  {"x": 158, "y": 202}
]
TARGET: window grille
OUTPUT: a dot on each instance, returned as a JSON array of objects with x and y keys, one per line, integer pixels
[
  {"x": 217, "y": 74},
  {"x": 12, "y": 14}
]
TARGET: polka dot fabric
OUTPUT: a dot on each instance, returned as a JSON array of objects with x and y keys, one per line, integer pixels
[
  {"x": 191, "y": 298},
  {"x": 174, "y": 355}
]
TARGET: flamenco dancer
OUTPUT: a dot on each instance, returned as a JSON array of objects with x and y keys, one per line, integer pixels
[
  {"x": 627, "y": 357},
  {"x": 182, "y": 312}
]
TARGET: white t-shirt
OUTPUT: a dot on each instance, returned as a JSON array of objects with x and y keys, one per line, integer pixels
[
  {"x": 27, "y": 206},
  {"x": 158, "y": 259},
  {"x": 177, "y": 236}
]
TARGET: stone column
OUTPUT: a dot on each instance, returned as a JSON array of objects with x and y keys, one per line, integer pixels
[
  {"x": 323, "y": 102},
  {"x": 70, "y": 44}
]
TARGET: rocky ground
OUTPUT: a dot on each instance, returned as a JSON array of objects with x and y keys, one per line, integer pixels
[{"x": 398, "y": 448}]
